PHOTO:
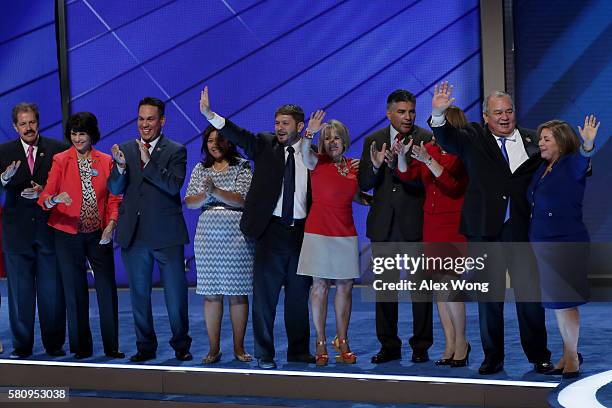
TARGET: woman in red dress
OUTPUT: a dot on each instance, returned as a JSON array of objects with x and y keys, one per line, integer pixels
[
  {"x": 330, "y": 247},
  {"x": 445, "y": 181}
]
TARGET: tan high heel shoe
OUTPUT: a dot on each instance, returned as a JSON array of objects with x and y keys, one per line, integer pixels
[
  {"x": 346, "y": 357},
  {"x": 321, "y": 359}
]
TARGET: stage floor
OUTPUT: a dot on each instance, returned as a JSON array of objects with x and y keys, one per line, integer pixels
[{"x": 595, "y": 342}]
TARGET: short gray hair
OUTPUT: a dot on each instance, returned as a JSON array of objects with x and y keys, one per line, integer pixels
[{"x": 495, "y": 94}]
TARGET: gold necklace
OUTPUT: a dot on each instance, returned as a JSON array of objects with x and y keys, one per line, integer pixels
[
  {"x": 343, "y": 168},
  {"x": 221, "y": 169}
]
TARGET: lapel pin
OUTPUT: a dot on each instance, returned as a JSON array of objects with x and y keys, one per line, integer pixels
[
  {"x": 158, "y": 149},
  {"x": 528, "y": 139},
  {"x": 41, "y": 154}
]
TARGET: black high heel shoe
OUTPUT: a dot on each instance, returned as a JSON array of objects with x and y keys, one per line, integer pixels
[
  {"x": 571, "y": 374},
  {"x": 464, "y": 361},
  {"x": 444, "y": 361}
]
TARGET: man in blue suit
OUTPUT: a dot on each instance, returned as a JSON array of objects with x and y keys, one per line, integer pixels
[{"x": 150, "y": 172}]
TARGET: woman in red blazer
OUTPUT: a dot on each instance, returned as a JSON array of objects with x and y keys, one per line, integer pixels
[
  {"x": 84, "y": 215},
  {"x": 445, "y": 180}
]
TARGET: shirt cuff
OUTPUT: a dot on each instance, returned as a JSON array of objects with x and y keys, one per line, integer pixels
[
  {"x": 217, "y": 121},
  {"x": 438, "y": 120},
  {"x": 584, "y": 153},
  {"x": 3, "y": 181}
]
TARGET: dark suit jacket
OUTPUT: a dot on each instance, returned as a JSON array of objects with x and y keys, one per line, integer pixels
[
  {"x": 267, "y": 183},
  {"x": 490, "y": 181},
  {"x": 151, "y": 196},
  {"x": 23, "y": 221},
  {"x": 391, "y": 195}
]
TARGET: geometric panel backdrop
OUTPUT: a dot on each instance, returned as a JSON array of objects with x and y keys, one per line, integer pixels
[
  {"x": 28, "y": 65},
  {"x": 564, "y": 70},
  {"x": 342, "y": 56}
]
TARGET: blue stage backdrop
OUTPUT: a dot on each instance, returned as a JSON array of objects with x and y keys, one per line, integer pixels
[
  {"x": 564, "y": 71},
  {"x": 28, "y": 65},
  {"x": 342, "y": 56}
]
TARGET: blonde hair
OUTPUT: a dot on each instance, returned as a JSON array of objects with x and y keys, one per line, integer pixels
[{"x": 328, "y": 128}]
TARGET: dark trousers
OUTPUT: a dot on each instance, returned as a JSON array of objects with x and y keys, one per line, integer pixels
[
  {"x": 276, "y": 258},
  {"x": 73, "y": 252},
  {"x": 171, "y": 261},
  {"x": 387, "y": 312},
  {"x": 33, "y": 276},
  {"x": 520, "y": 264}
]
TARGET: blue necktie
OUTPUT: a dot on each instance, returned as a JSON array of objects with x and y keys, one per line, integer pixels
[
  {"x": 504, "y": 152},
  {"x": 288, "y": 187}
]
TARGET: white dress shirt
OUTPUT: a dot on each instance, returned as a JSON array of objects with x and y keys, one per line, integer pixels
[
  {"x": 517, "y": 154},
  {"x": 301, "y": 176}
]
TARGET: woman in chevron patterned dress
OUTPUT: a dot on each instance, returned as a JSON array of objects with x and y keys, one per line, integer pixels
[{"x": 223, "y": 255}]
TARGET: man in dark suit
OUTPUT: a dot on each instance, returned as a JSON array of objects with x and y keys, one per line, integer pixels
[
  {"x": 150, "y": 172},
  {"x": 28, "y": 244},
  {"x": 500, "y": 160},
  {"x": 396, "y": 215},
  {"x": 274, "y": 216}
]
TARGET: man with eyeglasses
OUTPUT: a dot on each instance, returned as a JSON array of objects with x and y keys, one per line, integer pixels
[{"x": 500, "y": 159}]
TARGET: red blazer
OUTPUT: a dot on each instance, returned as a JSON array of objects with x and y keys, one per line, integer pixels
[{"x": 65, "y": 176}]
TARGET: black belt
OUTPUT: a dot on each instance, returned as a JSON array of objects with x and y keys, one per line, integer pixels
[{"x": 296, "y": 222}]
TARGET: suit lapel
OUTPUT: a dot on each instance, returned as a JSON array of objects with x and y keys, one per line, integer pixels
[
  {"x": 494, "y": 150},
  {"x": 159, "y": 148},
  {"x": 23, "y": 172},
  {"x": 41, "y": 154},
  {"x": 530, "y": 145}
]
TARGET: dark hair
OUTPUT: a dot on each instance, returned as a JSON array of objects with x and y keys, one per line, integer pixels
[
  {"x": 400, "y": 95},
  {"x": 231, "y": 154},
  {"x": 294, "y": 111},
  {"x": 158, "y": 103},
  {"x": 83, "y": 122},
  {"x": 565, "y": 136},
  {"x": 25, "y": 107},
  {"x": 456, "y": 117}
]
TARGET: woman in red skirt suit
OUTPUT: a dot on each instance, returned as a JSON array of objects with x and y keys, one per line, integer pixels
[{"x": 445, "y": 181}]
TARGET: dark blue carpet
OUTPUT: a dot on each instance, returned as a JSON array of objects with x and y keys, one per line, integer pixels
[{"x": 595, "y": 340}]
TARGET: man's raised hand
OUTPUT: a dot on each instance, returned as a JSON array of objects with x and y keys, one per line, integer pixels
[
  {"x": 205, "y": 104},
  {"x": 441, "y": 99},
  {"x": 118, "y": 156}
]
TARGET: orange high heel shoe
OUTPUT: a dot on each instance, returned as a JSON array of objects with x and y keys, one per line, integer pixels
[
  {"x": 347, "y": 357},
  {"x": 321, "y": 359}
]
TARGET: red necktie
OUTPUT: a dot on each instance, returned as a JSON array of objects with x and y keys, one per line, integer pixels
[{"x": 148, "y": 146}]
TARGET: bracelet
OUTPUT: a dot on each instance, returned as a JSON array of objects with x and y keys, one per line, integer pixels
[
  {"x": 52, "y": 201},
  {"x": 309, "y": 134},
  {"x": 428, "y": 162}
]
